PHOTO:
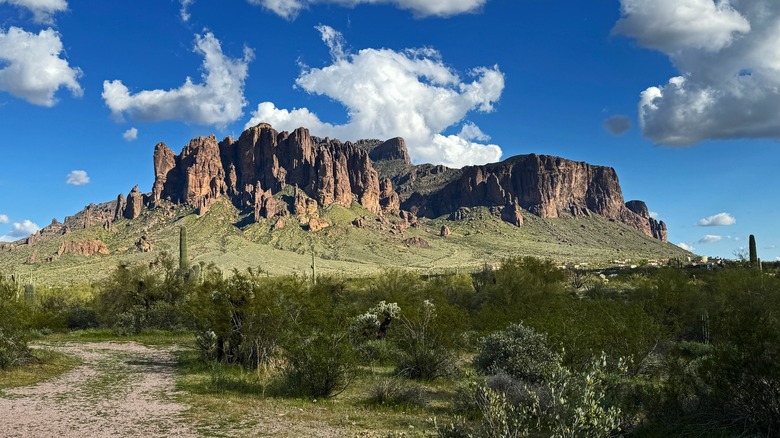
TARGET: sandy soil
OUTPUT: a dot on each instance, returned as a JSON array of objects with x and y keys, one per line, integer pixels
[{"x": 121, "y": 390}]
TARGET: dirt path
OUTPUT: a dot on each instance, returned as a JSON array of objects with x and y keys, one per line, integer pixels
[{"x": 121, "y": 390}]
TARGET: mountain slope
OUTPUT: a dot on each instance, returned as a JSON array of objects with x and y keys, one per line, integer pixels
[{"x": 268, "y": 198}]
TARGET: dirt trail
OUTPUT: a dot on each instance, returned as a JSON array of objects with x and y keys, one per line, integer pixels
[{"x": 121, "y": 390}]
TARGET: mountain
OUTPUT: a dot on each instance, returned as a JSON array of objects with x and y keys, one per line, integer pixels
[{"x": 268, "y": 184}]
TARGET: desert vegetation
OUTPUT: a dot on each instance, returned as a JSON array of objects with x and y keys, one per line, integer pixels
[{"x": 525, "y": 349}]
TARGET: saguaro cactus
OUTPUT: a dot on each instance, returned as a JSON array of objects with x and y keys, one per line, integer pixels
[
  {"x": 753, "y": 252},
  {"x": 184, "y": 261},
  {"x": 29, "y": 293}
]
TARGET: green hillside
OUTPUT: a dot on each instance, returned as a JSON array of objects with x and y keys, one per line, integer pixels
[{"x": 219, "y": 237}]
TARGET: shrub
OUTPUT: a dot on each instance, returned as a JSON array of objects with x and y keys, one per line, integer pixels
[
  {"x": 320, "y": 365},
  {"x": 567, "y": 405},
  {"x": 246, "y": 316},
  {"x": 427, "y": 341},
  {"x": 394, "y": 392},
  {"x": 14, "y": 326},
  {"x": 518, "y": 351}
]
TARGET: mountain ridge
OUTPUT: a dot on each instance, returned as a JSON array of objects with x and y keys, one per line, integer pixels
[{"x": 357, "y": 207}]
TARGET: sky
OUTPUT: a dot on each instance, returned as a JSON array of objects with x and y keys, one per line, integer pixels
[{"x": 681, "y": 97}]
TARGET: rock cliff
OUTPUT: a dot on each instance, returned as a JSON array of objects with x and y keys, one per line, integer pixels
[
  {"x": 252, "y": 170},
  {"x": 546, "y": 186},
  {"x": 261, "y": 163}
]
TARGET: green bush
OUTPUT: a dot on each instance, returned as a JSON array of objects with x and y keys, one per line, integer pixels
[
  {"x": 569, "y": 404},
  {"x": 14, "y": 326},
  {"x": 320, "y": 365},
  {"x": 136, "y": 298},
  {"x": 427, "y": 338},
  {"x": 518, "y": 351}
]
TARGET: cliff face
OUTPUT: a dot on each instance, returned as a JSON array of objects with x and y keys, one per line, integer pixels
[
  {"x": 263, "y": 162},
  {"x": 546, "y": 186},
  {"x": 253, "y": 169}
]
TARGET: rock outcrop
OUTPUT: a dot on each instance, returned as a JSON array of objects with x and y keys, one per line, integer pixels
[
  {"x": 261, "y": 163},
  {"x": 393, "y": 149},
  {"x": 135, "y": 203},
  {"x": 657, "y": 228},
  {"x": 546, "y": 186},
  {"x": 87, "y": 248}
]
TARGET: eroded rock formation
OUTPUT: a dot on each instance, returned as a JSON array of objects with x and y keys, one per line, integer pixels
[
  {"x": 272, "y": 175},
  {"x": 546, "y": 186},
  {"x": 261, "y": 163},
  {"x": 87, "y": 248}
]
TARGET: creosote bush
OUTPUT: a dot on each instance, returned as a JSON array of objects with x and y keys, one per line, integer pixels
[
  {"x": 518, "y": 351},
  {"x": 427, "y": 338},
  {"x": 320, "y": 365},
  {"x": 14, "y": 326}
]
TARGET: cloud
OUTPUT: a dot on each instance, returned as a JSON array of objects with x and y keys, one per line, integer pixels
[
  {"x": 654, "y": 215},
  {"x": 334, "y": 40},
  {"x": 131, "y": 134},
  {"x": 720, "y": 219},
  {"x": 20, "y": 230},
  {"x": 674, "y": 25},
  {"x": 184, "y": 11},
  {"x": 617, "y": 125},
  {"x": 411, "y": 93},
  {"x": 42, "y": 9},
  {"x": 3, "y": 219},
  {"x": 470, "y": 131},
  {"x": 219, "y": 100},
  {"x": 686, "y": 247},
  {"x": 289, "y": 9},
  {"x": 710, "y": 238},
  {"x": 32, "y": 68},
  {"x": 726, "y": 54},
  {"x": 77, "y": 178}
]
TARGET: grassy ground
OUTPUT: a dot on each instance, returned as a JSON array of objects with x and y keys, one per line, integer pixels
[
  {"x": 47, "y": 364},
  {"x": 149, "y": 338},
  {"x": 228, "y": 400},
  {"x": 342, "y": 248}
]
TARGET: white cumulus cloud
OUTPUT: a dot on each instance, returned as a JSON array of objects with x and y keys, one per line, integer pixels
[
  {"x": 720, "y": 219},
  {"x": 219, "y": 100},
  {"x": 20, "y": 230},
  {"x": 710, "y": 238},
  {"x": 32, "y": 68},
  {"x": 131, "y": 134},
  {"x": 411, "y": 93},
  {"x": 654, "y": 214},
  {"x": 289, "y": 9},
  {"x": 726, "y": 54},
  {"x": 42, "y": 9},
  {"x": 77, "y": 178},
  {"x": 4, "y": 219},
  {"x": 686, "y": 247}
]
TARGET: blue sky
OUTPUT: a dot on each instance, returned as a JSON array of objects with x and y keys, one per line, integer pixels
[{"x": 679, "y": 96}]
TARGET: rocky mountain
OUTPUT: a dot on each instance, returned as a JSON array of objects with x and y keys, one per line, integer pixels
[{"x": 253, "y": 171}]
